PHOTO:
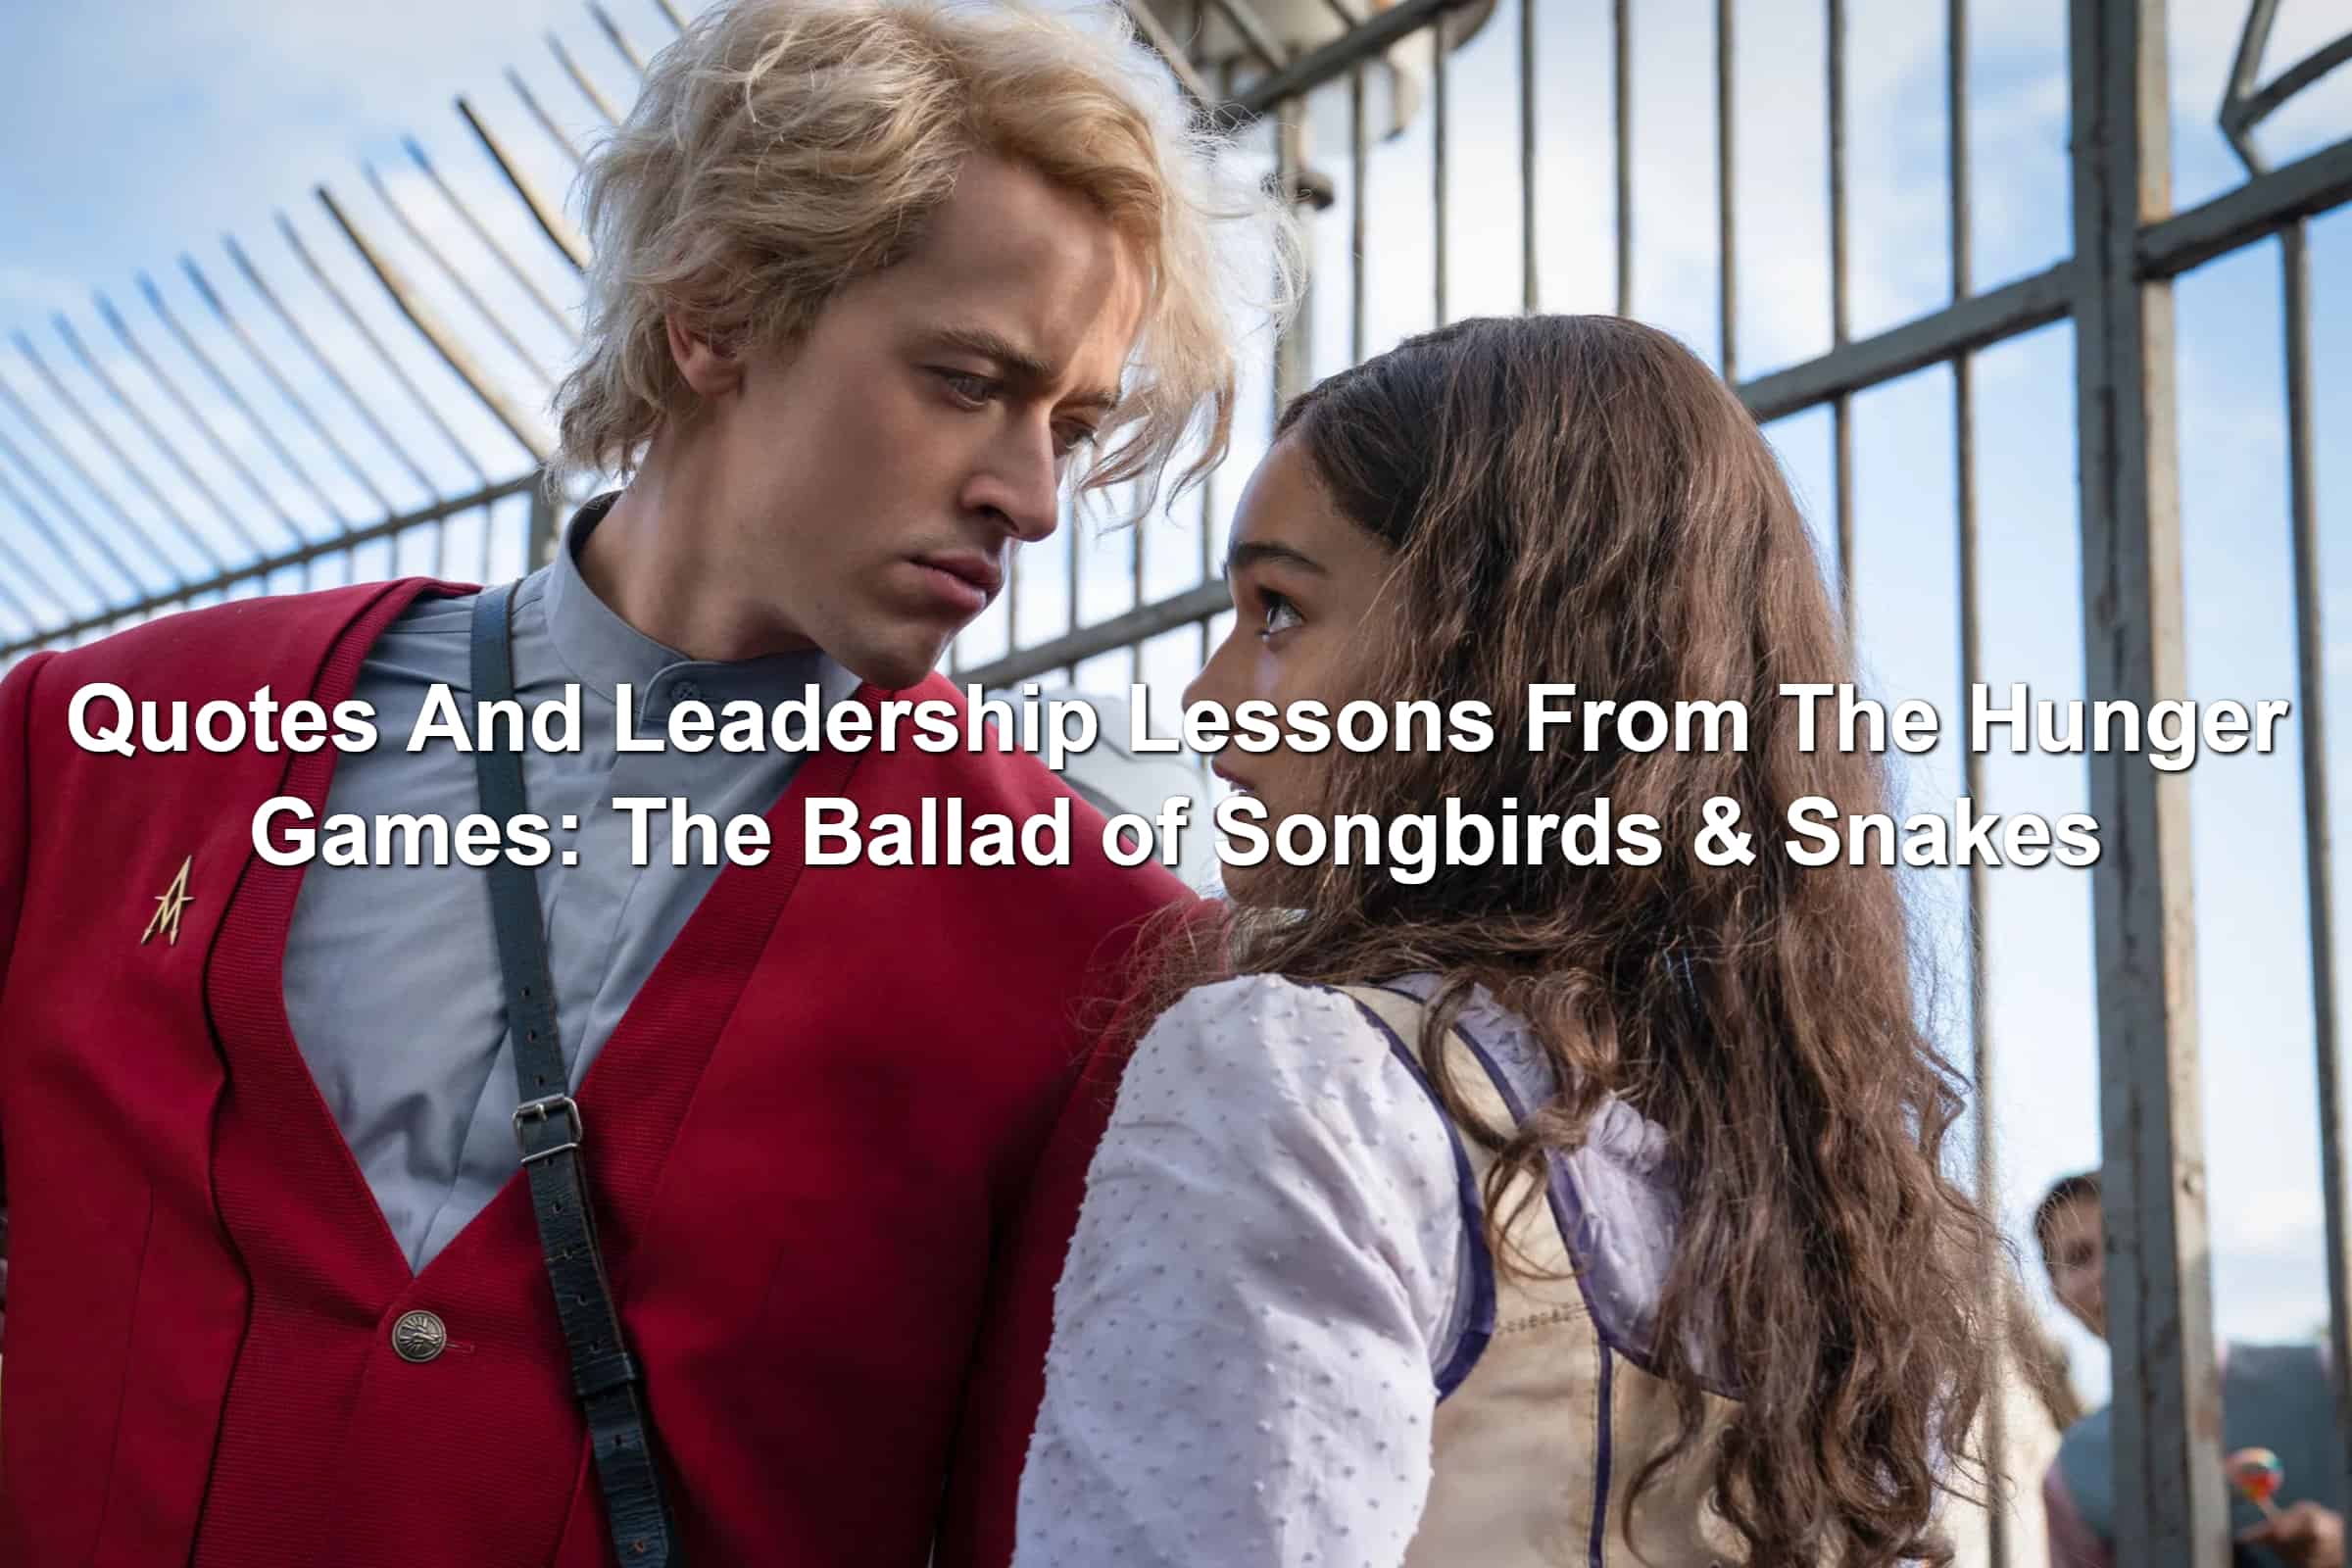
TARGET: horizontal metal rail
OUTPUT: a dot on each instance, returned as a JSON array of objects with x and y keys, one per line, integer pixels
[
  {"x": 334, "y": 545},
  {"x": 2265, "y": 205},
  {"x": 2259, "y": 208},
  {"x": 1973, "y": 324},
  {"x": 1335, "y": 59},
  {"x": 1202, "y": 602}
]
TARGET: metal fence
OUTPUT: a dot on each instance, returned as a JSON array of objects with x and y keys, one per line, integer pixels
[{"x": 106, "y": 518}]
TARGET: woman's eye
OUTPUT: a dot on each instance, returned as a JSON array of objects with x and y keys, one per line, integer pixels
[
  {"x": 1281, "y": 616},
  {"x": 1069, "y": 440}
]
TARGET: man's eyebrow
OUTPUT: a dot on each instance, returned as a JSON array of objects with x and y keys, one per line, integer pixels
[
  {"x": 1016, "y": 362},
  {"x": 1266, "y": 553}
]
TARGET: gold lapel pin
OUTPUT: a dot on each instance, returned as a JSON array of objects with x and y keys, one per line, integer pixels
[{"x": 168, "y": 907}]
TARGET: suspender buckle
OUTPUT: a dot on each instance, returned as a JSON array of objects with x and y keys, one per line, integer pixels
[{"x": 533, "y": 1114}]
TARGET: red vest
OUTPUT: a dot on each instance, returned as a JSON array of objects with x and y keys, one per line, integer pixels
[{"x": 813, "y": 1141}]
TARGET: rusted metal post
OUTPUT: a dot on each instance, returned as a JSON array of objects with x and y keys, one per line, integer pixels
[
  {"x": 539, "y": 544},
  {"x": 2318, "y": 876},
  {"x": 2002, "y": 1309},
  {"x": 2171, "y": 1507},
  {"x": 1293, "y": 347},
  {"x": 1727, "y": 232},
  {"x": 1841, "y": 422},
  {"x": 544, "y": 208}
]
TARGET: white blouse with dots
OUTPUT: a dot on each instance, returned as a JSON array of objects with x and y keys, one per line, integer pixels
[{"x": 1266, "y": 1273}]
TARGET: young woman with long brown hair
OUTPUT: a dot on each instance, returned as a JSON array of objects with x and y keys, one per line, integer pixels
[{"x": 1532, "y": 1212}]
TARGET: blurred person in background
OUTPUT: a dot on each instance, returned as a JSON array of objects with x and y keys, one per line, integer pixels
[{"x": 2275, "y": 1396}]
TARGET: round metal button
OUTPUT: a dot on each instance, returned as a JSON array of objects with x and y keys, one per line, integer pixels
[{"x": 419, "y": 1337}]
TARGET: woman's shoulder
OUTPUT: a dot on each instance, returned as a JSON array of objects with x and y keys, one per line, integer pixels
[
  {"x": 1282, "y": 1110},
  {"x": 1613, "y": 1193},
  {"x": 1300, "y": 1041}
]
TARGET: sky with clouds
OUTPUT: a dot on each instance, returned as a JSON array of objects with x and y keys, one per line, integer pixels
[{"x": 136, "y": 133}]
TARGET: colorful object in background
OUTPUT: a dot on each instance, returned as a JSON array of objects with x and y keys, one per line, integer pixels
[{"x": 2256, "y": 1473}]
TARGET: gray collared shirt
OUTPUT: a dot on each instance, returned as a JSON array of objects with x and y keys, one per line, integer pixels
[{"x": 391, "y": 971}]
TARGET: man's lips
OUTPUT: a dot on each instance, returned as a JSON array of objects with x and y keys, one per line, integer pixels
[{"x": 967, "y": 567}]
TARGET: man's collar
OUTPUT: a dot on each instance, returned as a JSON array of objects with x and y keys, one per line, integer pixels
[{"x": 604, "y": 652}]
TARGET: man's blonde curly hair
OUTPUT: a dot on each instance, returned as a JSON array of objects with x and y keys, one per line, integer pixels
[{"x": 783, "y": 149}]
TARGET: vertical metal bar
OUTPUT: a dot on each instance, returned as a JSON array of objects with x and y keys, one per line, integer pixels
[
  {"x": 548, "y": 213},
  {"x": 57, "y": 548},
  {"x": 24, "y": 571},
  {"x": 2171, "y": 1510},
  {"x": 195, "y": 417},
  {"x": 1841, "y": 434},
  {"x": 236, "y": 400},
  {"x": 425, "y": 405},
  {"x": 449, "y": 269},
  {"x": 1243, "y": 17},
  {"x": 515, "y": 269},
  {"x": 155, "y": 435},
  {"x": 547, "y": 121},
  {"x": 81, "y": 528},
  {"x": 285, "y": 388},
  {"x": 579, "y": 78},
  {"x": 540, "y": 542},
  {"x": 620, "y": 39},
  {"x": 20, "y": 572},
  {"x": 1358, "y": 207},
  {"x": 2317, "y": 851},
  {"x": 520, "y": 424},
  {"x": 1015, "y": 554},
  {"x": 1208, "y": 552},
  {"x": 1208, "y": 480},
  {"x": 1290, "y": 349},
  {"x": 1530, "y": 289},
  {"x": 2247, "y": 64},
  {"x": 1135, "y": 600},
  {"x": 1439, "y": 71},
  {"x": 1071, "y": 620},
  {"x": 1962, "y": 215},
  {"x": 1621, "y": 34},
  {"x": 1156, "y": 38},
  {"x": 31, "y": 622},
  {"x": 1997, "y": 1306},
  {"x": 301, "y": 335},
  {"x": 138, "y": 475},
  {"x": 1728, "y": 277}
]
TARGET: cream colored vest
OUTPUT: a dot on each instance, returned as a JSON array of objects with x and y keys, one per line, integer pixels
[{"x": 1535, "y": 1451}]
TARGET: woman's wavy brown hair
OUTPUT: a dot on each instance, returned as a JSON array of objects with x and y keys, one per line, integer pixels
[{"x": 1578, "y": 499}]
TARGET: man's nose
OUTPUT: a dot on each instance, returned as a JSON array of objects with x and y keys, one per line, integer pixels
[{"x": 1022, "y": 485}]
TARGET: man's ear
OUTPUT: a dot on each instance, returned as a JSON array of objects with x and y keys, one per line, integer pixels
[{"x": 710, "y": 369}]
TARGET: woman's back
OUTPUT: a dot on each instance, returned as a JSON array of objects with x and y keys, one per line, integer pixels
[
  {"x": 1338, "y": 1238},
  {"x": 1535, "y": 1451}
]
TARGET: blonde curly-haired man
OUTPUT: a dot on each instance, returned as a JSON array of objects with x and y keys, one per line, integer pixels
[{"x": 620, "y": 1205}]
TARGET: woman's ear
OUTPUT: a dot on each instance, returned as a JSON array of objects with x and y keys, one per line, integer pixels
[{"x": 711, "y": 367}]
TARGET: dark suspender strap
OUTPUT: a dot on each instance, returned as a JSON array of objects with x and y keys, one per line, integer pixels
[{"x": 546, "y": 1125}]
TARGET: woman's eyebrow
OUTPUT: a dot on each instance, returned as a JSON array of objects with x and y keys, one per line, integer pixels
[{"x": 1266, "y": 553}]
